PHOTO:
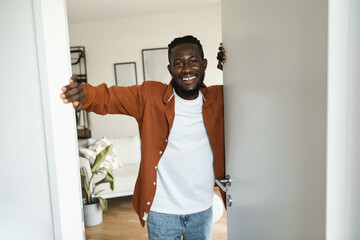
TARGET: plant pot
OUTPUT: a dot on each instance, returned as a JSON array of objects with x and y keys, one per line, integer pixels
[{"x": 92, "y": 214}]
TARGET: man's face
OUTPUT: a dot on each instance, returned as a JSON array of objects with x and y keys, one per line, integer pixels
[{"x": 187, "y": 69}]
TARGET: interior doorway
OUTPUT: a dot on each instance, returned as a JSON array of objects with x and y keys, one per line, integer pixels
[{"x": 116, "y": 32}]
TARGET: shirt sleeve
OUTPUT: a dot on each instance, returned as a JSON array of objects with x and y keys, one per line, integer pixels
[{"x": 113, "y": 100}]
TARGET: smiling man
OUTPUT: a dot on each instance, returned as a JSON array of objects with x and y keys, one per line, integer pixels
[
  {"x": 187, "y": 68},
  {"x": 182, "y": 141}
]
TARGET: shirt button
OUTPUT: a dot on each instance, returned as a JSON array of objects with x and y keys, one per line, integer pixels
[
  {"x": 160, "y": 152},
  {"x": 148, "y": 203},
  {"x": 154, "y": 183},
  {"x": 155, "y": 167},
  {"x": 165, "y": 140}
]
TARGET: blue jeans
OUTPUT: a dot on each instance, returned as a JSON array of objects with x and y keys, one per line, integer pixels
[{"x": 195, "y": 226}]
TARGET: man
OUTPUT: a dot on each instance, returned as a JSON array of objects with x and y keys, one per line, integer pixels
[{"x": 181, "y": 127}]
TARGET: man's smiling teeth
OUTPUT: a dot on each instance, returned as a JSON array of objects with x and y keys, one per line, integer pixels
[{"x": 188, "y": 78}]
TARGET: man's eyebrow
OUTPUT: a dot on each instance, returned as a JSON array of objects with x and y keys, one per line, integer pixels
[{"x": 193, "y": 56}]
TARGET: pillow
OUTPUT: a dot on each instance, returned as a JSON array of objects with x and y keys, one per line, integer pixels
[
  {"x": 91, "y": 141},
  {"x": 217, "y": 208},
  {"x": 88, "y": 154},
  {"x": 112, "y": 160},
  {"x": 128, "y": 149}
]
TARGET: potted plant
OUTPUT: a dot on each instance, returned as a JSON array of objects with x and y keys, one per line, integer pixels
[{"x": 94, "y": 205}]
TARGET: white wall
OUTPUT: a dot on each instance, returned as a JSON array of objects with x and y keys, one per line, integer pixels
[{"x": 121, "y": 40}]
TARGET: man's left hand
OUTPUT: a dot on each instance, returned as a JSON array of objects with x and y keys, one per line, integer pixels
[{"x": 221, "y": 57}]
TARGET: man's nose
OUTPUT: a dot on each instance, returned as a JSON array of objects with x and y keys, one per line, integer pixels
[{"x": 186, "y": 68}]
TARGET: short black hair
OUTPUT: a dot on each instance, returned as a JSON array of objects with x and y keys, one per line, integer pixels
[{"x": 185, "y": 39}]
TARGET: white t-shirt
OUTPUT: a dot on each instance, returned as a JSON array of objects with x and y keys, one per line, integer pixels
[{"x": 185, "y": 178}]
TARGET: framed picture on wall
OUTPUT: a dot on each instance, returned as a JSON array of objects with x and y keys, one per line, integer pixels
[
  {"x": 155, "y": 61},
  {"x": 125, "y": 74}
]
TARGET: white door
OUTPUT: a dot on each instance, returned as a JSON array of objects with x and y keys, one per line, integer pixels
[
  {"x": 275, "y": 118},
  {"x": 39, "y": 180}
]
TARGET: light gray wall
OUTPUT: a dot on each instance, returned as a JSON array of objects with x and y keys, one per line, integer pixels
[{"x": 24, "y": 180}]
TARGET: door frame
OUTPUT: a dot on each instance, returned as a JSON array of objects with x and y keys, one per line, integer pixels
[{"x": 59, "y": 119}]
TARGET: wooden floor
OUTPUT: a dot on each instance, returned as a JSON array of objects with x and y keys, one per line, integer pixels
[{"x": 120, "y": 222}]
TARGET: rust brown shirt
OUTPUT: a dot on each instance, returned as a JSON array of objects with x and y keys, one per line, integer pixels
[{"x": 153, "y": 106}]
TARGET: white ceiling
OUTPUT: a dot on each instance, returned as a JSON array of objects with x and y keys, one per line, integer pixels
[{"x": 93, "y": 10}]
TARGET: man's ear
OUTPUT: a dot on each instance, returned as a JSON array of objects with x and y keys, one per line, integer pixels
[
  {"x": 205, "y": 63},
  {"x": 169, "y": 69}
]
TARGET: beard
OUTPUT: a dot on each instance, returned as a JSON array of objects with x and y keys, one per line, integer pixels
[{"x": 188, "y": 93}]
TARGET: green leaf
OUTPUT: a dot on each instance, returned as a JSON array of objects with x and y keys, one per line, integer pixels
[
  {"x": 107, "y": 171},
  {"x": 101, "y": 157},
  {"x": 99, "y": 192},
  {"x": 86, "y": 189},
  {"x": 107, "y": 179},
  {"x": 103, "y": 204}
]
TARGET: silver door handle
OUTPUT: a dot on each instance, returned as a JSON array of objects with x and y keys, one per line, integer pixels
[{"x": 224, "y": 183}]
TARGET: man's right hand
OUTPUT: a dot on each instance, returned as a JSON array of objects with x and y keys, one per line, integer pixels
[{"x": 73, "y": 93}]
